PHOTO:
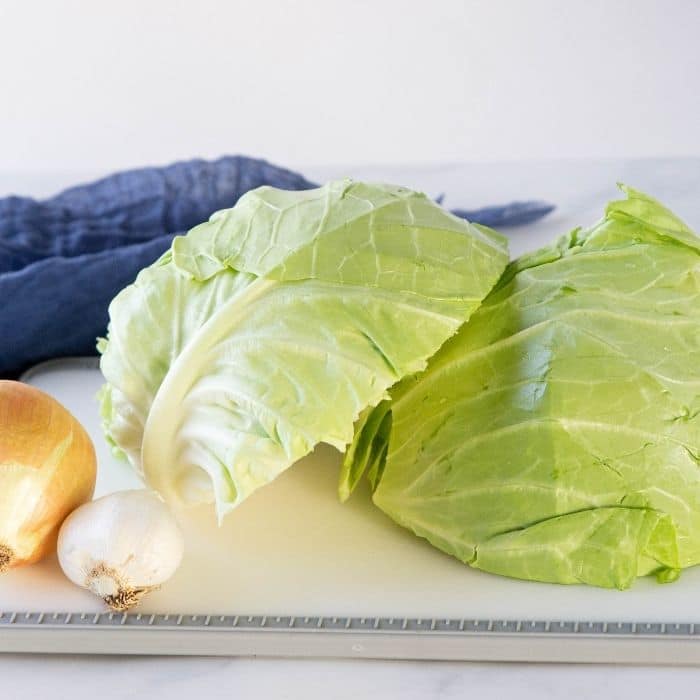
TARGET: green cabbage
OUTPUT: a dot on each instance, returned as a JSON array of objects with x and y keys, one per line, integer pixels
[
  {"x": 556, "y": 437},
  {"x": 269, "y": 328}
]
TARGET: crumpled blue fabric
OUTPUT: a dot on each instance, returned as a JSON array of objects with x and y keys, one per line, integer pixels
[
  {"x": 63, "y": 259},
  {"x": 130, "y": 207}
]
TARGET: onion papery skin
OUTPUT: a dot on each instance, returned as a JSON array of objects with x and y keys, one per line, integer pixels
[{"x": 47, "y": 469}]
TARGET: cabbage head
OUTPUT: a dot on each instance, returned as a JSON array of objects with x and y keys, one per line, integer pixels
[{"x": 556, "y": 437}]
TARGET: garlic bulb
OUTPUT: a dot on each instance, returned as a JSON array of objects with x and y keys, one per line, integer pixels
[
  {"x": 47, "y": 469},
  {"x": 121, "y": 546}
]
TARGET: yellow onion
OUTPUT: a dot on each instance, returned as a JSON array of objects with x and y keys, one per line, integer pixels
[{"x": 47, "y": 469}]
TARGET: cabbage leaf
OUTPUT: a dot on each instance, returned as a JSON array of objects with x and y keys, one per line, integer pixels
[{"x": 271, "y": 327}]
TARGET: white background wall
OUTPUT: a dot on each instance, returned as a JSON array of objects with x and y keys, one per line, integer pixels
[{"x": 87, "y": 86}]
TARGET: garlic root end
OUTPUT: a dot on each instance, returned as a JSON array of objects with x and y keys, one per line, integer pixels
[
  {"x": 6, "y": 557},
  {"x": 125, "y": 599},
  {"x": 107, "y": 583}
]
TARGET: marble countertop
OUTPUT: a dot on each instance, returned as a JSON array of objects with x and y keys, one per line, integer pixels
[
  {"x": 579, "y": 189},
  {"x": 25, "y": 677}
]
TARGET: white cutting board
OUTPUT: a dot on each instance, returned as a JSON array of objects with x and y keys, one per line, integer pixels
[{"x": 293, "y": 549}]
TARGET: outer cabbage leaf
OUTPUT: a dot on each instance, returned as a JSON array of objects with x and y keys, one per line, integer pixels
[
  {"x": 559, "y": 437},
  {"x": 269, "y": 328}
]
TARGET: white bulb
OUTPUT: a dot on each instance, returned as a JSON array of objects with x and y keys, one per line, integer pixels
[{"x": 121, "y": 546}]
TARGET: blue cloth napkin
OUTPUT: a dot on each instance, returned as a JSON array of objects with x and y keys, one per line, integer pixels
[{"x": 63, "y": 259}]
